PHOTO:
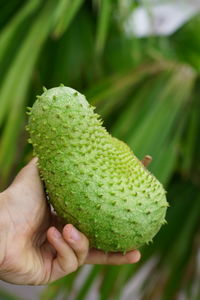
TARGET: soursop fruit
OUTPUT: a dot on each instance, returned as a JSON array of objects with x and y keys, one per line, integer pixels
[{"x": 93, "y": 180}]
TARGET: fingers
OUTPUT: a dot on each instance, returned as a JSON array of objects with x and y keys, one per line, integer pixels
[
  {"x": 146, "y": 160},
  {"x": 99, "y": 257},
  {"x": 65, "y": 261},
  {"x": 71, "y": 247},
  {"x": 78, "y": 242}
]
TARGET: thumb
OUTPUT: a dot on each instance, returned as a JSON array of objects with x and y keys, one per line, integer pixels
[
  {"x": 26, "y": 190},
  {"x": 28, "y": 173},
  {"x": 28, "y": 180}
]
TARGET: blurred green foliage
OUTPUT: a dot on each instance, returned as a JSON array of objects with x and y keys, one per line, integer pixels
[{"x": 147, "y": 91}]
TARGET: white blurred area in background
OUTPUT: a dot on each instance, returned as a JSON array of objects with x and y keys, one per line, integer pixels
[{"x": 155, "y": 17}]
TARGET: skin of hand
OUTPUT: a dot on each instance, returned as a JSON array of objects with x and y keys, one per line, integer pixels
[{"x": 35, "y": 247}]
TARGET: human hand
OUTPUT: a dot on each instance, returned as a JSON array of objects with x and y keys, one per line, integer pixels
[{"x": 35, "y": 247}]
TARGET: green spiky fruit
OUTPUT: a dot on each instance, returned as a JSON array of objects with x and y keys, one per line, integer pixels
[{"x": 93, "y": 180}]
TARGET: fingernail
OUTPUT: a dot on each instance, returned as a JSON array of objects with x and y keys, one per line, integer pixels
[
  {"x": 137, "y": 256},
  {"x": 56, "y": 234},
  {"x": 134, "y": 256},
  {"x": 74, "y": 234}
]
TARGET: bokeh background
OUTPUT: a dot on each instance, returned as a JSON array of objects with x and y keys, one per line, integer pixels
[{"x": 138, "y": 62}]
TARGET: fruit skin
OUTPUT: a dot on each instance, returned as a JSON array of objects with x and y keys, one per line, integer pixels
[{"x": 93, "y": 180}]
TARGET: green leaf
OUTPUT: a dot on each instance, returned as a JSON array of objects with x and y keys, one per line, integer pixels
[
  {"x": 181, "y": 249},
  {"x": 7, "y": 296},
  {"x": 189, "y": 144},
  {"x": 108, "y": 280},
  {"x": 16, "y": 84},
  {"x": 105, "y": 10},
  {"x": 140, "y": 102},
  {"x": 8, "y": 32},
  {"x": 65, "y": 12},
  {"x": 158, "y": 126},
  {"x": 111, "y": 86},
  {"x": 86, "y": 285}
]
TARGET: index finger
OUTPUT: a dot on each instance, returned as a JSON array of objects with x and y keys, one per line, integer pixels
[{"x": 99, "y": 257}]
